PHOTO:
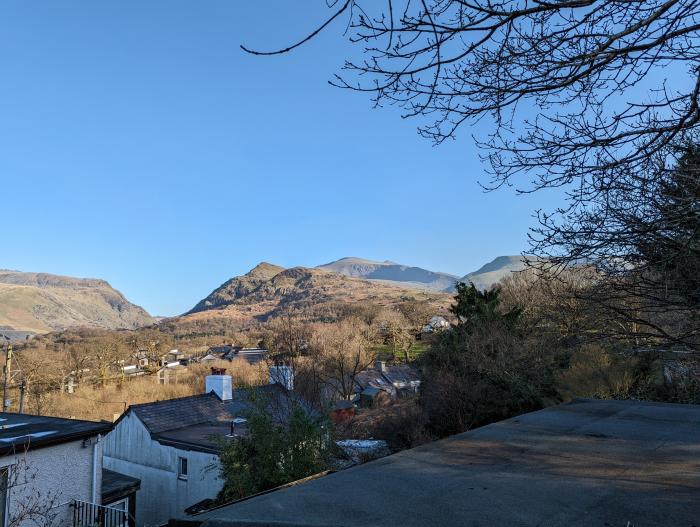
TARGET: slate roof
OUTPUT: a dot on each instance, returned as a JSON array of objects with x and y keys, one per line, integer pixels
[
  {"x": 191, "y": 421},
  {"x": 392, "y": 377},
  {"x": 372, "y": 378},
  {"x": 222, "y": 349},
  {"x": 401, "y": 374},
  {"x": 160, "y": 416},
  {"x": 251, "y": 355},
  {"x": 19, "y": 432}
]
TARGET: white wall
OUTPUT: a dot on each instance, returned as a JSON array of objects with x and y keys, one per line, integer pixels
[
  {"x": 130, "y": 450},
  {"x": 63, "y": 471}
]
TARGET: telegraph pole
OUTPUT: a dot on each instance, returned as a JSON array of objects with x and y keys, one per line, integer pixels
[
  {"x": 7, "y": 370},
  {"x": 22, "y": 389}
]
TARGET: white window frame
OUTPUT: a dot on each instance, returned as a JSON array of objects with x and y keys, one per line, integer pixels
[{"x": 183, "y": 475}]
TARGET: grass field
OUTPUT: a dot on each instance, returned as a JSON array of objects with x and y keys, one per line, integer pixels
[{"x": 385, "y": 352}]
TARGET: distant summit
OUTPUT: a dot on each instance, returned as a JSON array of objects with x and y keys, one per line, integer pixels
[
  {"x": 42, "y": 302},
  {"x": 238, "y": 287},
  {"x": 264, "y": 270},
  {"x": 493, "y": 272},
  {"x": 268, "y": 290},
  {"x": 387, "y": 271}
]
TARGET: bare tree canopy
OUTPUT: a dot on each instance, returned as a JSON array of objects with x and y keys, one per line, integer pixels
[
  {"x": 599, "y": 97},
  {"x": 643, "y": 240},
  {"x": 566, "y": 82}
]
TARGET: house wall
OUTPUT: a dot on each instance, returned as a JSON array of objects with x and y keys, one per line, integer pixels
[
  {"x": 57, "y": 474},
  {"x": 130, "y": 450}
]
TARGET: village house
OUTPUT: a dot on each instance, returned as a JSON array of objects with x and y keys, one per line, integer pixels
[
  {"x": 375, "y": 386},
  {"x": 223, "y": 349},
  {"x": 143, "y": 358},
  {"x": 210, "y": 357},
  {"x": 51, "y": 473},
  {"x": 436, "y": 324},
  {"x": 173, "y": 446},
  {"x": 385, "y": 383},
  {"x": 229, "y": 352},
  {"x": 132, "y": 370},
  {"x": 170, "y": 372},
  {"x": 250, "y": 355},
  {"x": 174, "y": 356}
]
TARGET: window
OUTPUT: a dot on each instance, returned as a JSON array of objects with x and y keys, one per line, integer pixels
[{"x": 182, "y": 468}]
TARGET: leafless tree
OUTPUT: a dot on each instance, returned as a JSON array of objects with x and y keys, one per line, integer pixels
[
  {"x": 29, "y": 505},
  {"x": 397, "y": 332},
  {"x": 105, "y": 358},
  {"x": 42, "y": 375},
  {"x": 591, "y": 96},
  {"x": 577, "y": 62},
  {"x": 342, "y": 351},
  {"x": 643, "y": 241},
  {"x": 288, "y": 336}
]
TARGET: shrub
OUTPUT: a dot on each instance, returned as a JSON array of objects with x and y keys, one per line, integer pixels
[{"x": 272, "y": 454}]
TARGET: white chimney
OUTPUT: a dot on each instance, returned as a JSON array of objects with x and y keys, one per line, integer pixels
[
  {"x": 380, "y": 366},
  {"x": 221, "y": 385},
  {"x": 282, "y": 374}
]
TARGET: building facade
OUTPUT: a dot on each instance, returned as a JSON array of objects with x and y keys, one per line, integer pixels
[
  {"x": 173, "y": 477},
  {"x": 47, "y": 465},
  {"x": 173, "y": 446}
]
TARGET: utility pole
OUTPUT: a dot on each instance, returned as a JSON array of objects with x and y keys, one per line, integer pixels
[
  {"x": 22, "y": 389},
  {"x": 6, "y": 381}
]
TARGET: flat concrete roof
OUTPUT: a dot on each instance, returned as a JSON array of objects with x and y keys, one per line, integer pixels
[{"x": 600, "y": 463}]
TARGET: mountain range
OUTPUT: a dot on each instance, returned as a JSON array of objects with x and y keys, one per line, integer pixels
[
  {"x": 269, "y": 290},
  {"x": 40, "y": 302},
  {"x": 391, "y": 272}
]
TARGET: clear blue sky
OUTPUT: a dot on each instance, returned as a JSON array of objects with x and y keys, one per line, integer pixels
[{"x": 140, "y": 145}]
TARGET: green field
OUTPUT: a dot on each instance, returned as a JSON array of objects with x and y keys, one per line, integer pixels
[{"x": 384, "y": 352}]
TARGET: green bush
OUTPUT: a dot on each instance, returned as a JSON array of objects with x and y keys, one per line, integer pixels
[{"x": 272, "y": 454}]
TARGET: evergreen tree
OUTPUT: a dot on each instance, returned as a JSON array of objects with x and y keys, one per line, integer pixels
[{"x": 473, "y": 306}]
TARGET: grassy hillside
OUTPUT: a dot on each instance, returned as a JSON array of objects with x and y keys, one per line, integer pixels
[{"x": 38, "y": 302}]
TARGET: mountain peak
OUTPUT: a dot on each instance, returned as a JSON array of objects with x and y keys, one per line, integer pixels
[
  {"x": 349, "y": 260},
  {"x": 315, "y": 291},
  {"x": 388, "y": 271},
  {"x": 264, "y": 270},
  {"x": 497, "y": 269}
]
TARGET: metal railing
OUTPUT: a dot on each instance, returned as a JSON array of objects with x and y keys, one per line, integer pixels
[{"x": 85, "y": 514}]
